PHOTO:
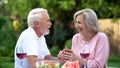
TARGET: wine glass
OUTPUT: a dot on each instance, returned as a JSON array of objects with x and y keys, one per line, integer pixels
[
  {"x": 21, "y": 54},
  {"x": 84, "y": 52}
]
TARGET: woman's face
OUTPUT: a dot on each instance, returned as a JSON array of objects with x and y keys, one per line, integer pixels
[{"x": 81, "y": 24}]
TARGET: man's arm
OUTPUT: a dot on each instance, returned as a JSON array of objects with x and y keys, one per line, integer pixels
[
  {"x": 32, "y": 59},
  {"x": 49, "y": 57}
]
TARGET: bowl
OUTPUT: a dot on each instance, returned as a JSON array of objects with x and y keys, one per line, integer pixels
[{"x": 47, "y": 64}]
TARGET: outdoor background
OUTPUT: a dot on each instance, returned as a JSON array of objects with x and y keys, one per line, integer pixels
[{"x": 13, "y": 20}]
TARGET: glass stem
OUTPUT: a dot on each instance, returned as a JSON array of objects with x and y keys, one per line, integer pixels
[{"x": 21, "y": 63}]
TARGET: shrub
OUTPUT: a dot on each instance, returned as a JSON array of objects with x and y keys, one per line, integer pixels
[{"x": 54, "y": 50}]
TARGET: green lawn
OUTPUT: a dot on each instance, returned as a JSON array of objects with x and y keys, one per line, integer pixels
[
  {"x": 6, "y": 62},
  {"x": 6, "y": 65},
  {"x": 113, "y": 64},
  {"x": 114, "y": 61}
]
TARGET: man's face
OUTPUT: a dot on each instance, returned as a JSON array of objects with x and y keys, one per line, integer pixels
[{"x": 45, "y": 24}]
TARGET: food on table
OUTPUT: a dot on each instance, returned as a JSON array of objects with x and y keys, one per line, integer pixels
[
  {"x": 71, "y": 64},
  {"x": 47, "y": 64}
]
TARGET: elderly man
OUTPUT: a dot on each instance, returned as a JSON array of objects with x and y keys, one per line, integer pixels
[{"x": 32, "y": 42}]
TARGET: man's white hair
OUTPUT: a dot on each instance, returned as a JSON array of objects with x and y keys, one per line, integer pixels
[
  {"x": 90, "y": 17},
  {"x": 35, "y": 15}
]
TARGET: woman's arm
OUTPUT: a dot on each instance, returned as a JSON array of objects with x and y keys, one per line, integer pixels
[{"x": 101, "y": 53}]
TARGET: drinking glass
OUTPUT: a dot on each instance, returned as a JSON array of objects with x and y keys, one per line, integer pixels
[
  {"x": 84, "y": 52},
  {"x": 20, "y": 54}
]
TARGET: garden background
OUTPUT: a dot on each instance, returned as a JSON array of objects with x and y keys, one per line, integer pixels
[{"x": 13, "y": 20}]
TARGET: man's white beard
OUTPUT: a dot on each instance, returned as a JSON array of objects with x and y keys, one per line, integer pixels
[{"x": 46, "y": 33}]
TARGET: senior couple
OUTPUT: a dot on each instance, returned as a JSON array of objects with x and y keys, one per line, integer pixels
[{"x": 33, "y": 42}]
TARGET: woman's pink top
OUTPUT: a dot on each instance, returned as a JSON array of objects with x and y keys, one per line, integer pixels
[{"x": 98, "y": 47}]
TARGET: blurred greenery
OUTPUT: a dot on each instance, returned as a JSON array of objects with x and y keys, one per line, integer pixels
[
  {"x": 114, "y": 61},
  {"x": 6, "y": 62},
  {"x": 13, "y": 14},
  {"x": 54, "y": 50}
]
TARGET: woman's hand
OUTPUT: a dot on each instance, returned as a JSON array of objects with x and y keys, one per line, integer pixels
[
  {"x": 60, "y": 57},
  {"x": 67, "y": 54},
  {"x": 61, "y": 53}
]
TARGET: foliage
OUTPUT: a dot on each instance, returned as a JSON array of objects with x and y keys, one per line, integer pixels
[
  {"x": 68, "y": 43},
  {"x": 2, "y": 21},
  {"x": 103, "y": 8},
  {"x": 58, "y": 30},
  {"x": 7, "y": 39},
  {"x": 61, "y": 12},
  {"x": 54, "y": 50},
  {"x": 18, "y": 7}
]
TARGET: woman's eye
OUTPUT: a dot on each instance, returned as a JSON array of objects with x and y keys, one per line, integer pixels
[{"x": 78, "y": 22}]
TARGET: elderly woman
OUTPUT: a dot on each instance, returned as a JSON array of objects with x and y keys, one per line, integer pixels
[{"x": 90, "y": 46}]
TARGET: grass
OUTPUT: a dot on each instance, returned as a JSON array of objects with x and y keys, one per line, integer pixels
[
  {"x": 113, "y": 64},
  {"x": 114, "y": 61},
  {"x": 7, "y": 62},
  {"x": 6, "y": 65}
]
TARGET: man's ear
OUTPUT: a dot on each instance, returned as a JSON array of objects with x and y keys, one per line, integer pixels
[{"x": 36, "y": 23}]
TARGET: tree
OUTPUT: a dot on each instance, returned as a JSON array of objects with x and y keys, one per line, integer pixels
[{"x": 61, "y": 12}]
